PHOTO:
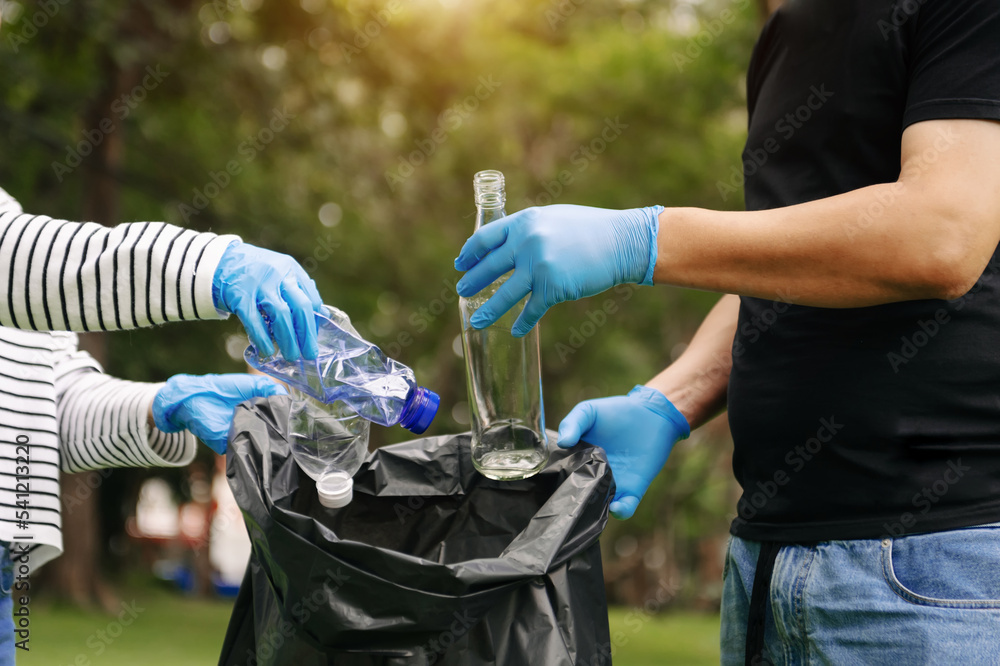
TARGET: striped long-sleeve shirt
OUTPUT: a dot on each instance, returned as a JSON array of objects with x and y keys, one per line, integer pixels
[
  {"x": 60, "y": 275},
  {"x": 57, "y": 408}
]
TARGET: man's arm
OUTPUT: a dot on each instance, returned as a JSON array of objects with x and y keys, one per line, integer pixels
[
  {"x": 930, "y": 234},
  {"x": 696, "y": 382},
  {"x": 637, "y": 431}
]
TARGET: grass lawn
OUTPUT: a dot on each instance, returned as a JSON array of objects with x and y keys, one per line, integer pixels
[
  {"x": 167, "y": 629},
  {"x": 668, "y": 639}
]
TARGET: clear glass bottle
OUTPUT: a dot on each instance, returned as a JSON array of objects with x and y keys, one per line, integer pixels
[{"x": 503, "y": 373}]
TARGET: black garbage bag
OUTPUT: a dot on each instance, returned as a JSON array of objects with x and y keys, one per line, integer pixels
[{"x": 431, "y": 563}]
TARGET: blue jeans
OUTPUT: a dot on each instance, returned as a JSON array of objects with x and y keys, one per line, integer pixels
[
  {"x": 7, "y": 648},
  {"x": 923, "y": 599}
]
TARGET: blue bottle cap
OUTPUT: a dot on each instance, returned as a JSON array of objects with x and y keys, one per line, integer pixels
[{"x": 421, "y": 408}]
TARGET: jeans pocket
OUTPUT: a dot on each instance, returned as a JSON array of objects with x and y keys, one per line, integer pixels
[{"x": 951, "y": 569}]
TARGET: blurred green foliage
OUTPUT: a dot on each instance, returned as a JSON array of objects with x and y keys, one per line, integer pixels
[{"x": 393, "y": 106}]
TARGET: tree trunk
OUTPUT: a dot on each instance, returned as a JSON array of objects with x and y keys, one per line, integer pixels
[{"x": 76, "y": 576}]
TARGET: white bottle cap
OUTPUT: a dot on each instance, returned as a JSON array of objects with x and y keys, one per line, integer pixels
[{"x": 335, "y": 490}]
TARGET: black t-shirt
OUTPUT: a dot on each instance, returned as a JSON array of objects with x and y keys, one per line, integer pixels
[{"x": 885, "y": 420}]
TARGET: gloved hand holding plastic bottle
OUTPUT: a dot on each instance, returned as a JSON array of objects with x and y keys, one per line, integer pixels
[
  {"x": 252, "y": 282},
  {"x": 637, "y": 431},
  {"x": 558, "y": 253},
  {"x": 351, "y": 370},
  {"x": 204, "y": 404},
  {"x": 349, "y": 384}
]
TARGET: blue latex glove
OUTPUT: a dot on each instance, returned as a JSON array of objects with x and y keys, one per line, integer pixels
[
  {"x": 558, "y": 253},
  {"x": 637, "y": 431},
  {"x": 252, "y": 282},
  {"x": 204, "y": 404}
]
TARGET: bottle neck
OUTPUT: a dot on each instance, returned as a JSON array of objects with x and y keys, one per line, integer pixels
[{"x": 487, "y": 214}]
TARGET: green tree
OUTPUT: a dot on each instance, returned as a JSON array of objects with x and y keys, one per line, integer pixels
[{"x": 389, "y": 108}]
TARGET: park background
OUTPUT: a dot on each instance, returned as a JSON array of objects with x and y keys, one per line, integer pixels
[{"x": 346, "y": 133}]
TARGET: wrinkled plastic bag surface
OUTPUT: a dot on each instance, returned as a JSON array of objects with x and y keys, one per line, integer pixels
[{"x": 431, "y": 563}]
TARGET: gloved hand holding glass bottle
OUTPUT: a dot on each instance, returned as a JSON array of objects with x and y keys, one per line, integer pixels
[{"x": 503, "y": 372}]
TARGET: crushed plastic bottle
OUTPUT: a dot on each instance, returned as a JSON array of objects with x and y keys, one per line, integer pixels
[
  {"x": 352, "y": 370},
  {"x": 329, "y": 443}
]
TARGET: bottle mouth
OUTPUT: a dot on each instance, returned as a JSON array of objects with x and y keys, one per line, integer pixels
[
  {"x": 489, "y": 189},
  {"x": 335, "y": 490},
  {"x": 421, "y": 408}
]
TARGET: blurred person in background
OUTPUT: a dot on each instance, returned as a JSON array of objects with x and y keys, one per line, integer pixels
[
  {"x": 59, "y": 411},
  {"x": 855, "y": 350}
]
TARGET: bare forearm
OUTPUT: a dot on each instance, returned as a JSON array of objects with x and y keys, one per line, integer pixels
[
  {"x": 696, "y": 382},
  {"x": 928, "y": 235},
  {"x": 816, "y": 253}
]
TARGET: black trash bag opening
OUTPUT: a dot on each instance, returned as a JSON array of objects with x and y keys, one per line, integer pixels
[
  {"x": 425, "y": 540},
  {"x": 445, "y": 530}
]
